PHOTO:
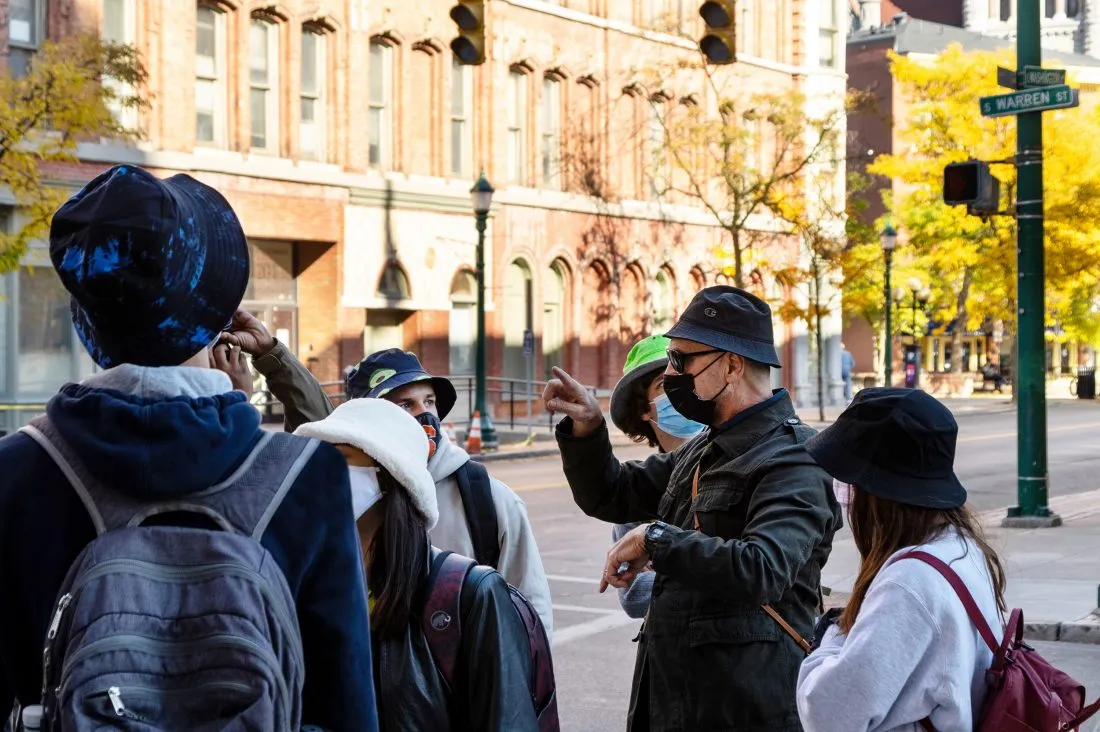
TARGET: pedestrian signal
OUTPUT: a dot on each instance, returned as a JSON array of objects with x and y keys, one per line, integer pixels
[
  {"x": 469, "y": 46},
  {"x": 971, "y": 184},
  {"x": 719, "y": 45}
]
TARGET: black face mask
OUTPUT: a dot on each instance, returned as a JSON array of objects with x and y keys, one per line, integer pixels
[
  {"x": 431, "y": 426},
  {"x": 680, "y": 390}
]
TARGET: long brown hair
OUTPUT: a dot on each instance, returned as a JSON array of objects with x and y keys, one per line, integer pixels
[
  {"x": 881, "y": 527},
  {"x": 398, "y": 557}
]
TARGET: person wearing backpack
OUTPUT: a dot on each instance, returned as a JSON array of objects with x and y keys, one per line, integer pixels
[
  {"x": 166, "y": 563},
  {"x": 904, "y": 653},
  {"x": 452, "y": 652},
  {"x": 640, "y": 408},
  {"x": 480, "y": 516}
]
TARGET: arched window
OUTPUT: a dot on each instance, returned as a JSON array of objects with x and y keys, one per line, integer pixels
[
  {"x": 518, "y": 300},
  {"x": 393, "y": 284},
  {"x": 664, "y": 301},
  {"x": 263, "y": 77},
  {"x": 554, "y": 308},
  {"x": 463, "y": 331}
]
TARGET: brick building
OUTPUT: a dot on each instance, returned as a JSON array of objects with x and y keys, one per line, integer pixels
[{"x": 347, "y": 140}]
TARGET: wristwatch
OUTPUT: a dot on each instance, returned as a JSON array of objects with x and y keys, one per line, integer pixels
[{"x": 655, "y": 533}]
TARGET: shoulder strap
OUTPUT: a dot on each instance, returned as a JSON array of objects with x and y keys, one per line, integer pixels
[
  {"x": 441, "y": 618},
  {"x": 961, "y": 590},
  {"x": 481, "y": 512},
  {"x": 772, "y": 612}
]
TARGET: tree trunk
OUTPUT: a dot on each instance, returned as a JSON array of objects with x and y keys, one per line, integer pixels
[
  {"x": 816, "y": 304},
  {"x": 738, "y": 259},
  {"x": 961, "y": 316}
]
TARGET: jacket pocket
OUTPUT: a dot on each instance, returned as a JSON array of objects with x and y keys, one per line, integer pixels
[
  {"x": 718, "y": 509},
  {"x": 732, "y": 628}
]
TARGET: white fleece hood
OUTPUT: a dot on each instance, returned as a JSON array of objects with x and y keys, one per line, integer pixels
[{"x": 448, "y": 458}]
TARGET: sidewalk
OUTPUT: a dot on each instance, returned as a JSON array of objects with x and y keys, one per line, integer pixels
[{"x": 1053, "y": 574}]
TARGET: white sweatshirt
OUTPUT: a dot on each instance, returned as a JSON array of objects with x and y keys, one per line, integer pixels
[
  {"x": 912, "y": 652},
  {"x": 520, "y": 563}
]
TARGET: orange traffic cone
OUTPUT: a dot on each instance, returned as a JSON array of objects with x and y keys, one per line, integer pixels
[{"x": 473, "y": 437}]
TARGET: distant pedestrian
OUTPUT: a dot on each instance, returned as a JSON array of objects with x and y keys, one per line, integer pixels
[
  {"x": 745, "y": 523},
  {"x": 480, "y": 516},
  {"x": 847, "y": 368},
  {"x": 641, "y": 409},
  {"x": 241, "y": 539},
  {"x": 903, "y": 650},
  {"x": 394, "y": 500}
]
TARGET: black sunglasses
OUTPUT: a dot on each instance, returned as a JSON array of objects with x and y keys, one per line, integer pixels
[{"x": 679, "y": 360}]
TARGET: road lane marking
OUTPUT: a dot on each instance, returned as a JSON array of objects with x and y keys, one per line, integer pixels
[
  {"x": 1003, "y": 435},
  {"x": 587, "y": 609},
  {"x": 569, "y": 578},
  {"x": 592, "y": 627}
]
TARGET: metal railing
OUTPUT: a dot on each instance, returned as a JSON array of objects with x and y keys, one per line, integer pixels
[{"x": 504, "y": 392}]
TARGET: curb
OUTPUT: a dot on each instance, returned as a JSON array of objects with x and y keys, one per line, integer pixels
[{"x": 1076, "y": 632}]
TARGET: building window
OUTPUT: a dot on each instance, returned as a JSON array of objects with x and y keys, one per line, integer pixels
[
  {"x": 210, "y": 89},
  {"x": 26, "y": 21},
  {"x": 264, "y": 84},
  {"x": 393, "y": 284},
  {"x": 119, "y": 27},
  {"x": 551, "y": 131},
  {"x": 311, "y": 124},
  {"x": 1073, "y": 8},
  {"x": 517, "y": 130},
  {"x": 656, "y": 142},
  {"x": 664, "y": 304},
  {"x": 827, "y": 33},
  {"x": 461, "y": 102},
  {"x": 381, "y": 76}
]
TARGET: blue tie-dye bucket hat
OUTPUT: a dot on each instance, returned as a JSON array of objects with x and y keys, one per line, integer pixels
[{"x": 156, "y": 268}]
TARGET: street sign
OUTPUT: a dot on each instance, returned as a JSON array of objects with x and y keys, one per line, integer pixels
[
  {"x": 528, "y": 343},
  {"x": 1007, "y": 78},
  {"x": 1038, "y": 76},
  {"x": 1030, "y": 100}
]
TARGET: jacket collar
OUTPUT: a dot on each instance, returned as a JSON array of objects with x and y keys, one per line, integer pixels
[{"x": 776, "y": 411}]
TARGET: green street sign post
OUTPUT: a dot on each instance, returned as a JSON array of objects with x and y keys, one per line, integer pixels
[
  {"x": 1038, "y": 76},
  {"x": 1029, "y": 100}
]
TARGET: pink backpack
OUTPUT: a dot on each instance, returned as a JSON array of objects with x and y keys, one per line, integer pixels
[{"x": 1026, "y": 693}]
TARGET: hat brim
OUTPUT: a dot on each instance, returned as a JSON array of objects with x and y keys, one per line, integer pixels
[
  {"x": 828, "y": 449},
  {"x": 759, "y": 351},
  {"x": 620, "y": 395},
  {"x": 445, "y": 394},
  {"x": 210, "y": 304}
]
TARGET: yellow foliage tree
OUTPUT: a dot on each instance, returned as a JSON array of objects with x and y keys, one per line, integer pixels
[
  {"x": 69, "y": 93},
  {"x": 968, "y": 262}
]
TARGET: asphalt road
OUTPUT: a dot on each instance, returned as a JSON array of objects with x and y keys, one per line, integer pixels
[{"x": 594, "y": 655}]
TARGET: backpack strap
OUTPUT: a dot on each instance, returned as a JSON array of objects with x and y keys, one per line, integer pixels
[
  {"x": 441, "y": 618},
  {"x": 265, "y": 481},
  {"x": 481, "y": 514},
  {"x": 967, "y": 599}
]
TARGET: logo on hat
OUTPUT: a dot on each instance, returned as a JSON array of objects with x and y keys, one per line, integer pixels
[
  {"x": 710, "y": 313},
  {"x": 380, "y": 375}
]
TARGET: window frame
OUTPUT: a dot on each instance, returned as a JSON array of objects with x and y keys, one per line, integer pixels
[
  {"x": 126, "y": 117},
  {"x": 217, "y": 79},
  {"x": 519, "y": 81},
  {"x": 38, "y": 30},
  {"x": 317, "y": 96},
  {"x": 462, "y": 120},
  {"x": 383, "y": 108},
  {"x": 828, "y": 32},
  {"x": 270, "y": 87},
  {"x": 550, "y": 132}
]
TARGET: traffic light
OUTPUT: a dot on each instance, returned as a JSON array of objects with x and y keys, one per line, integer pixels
[
  {"x": 469, "y": 47},
  {"x": 719, "y": 44},
  {"x": 972, "y": 184}
]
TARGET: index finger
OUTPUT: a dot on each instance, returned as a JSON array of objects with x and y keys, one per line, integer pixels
[{"x": 568, "y": 380}]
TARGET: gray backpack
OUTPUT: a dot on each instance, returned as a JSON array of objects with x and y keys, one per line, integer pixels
[{"x": 161, "y": 627}]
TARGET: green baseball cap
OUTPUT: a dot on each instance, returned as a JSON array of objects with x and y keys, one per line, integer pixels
[{"x": 646, "y": 359}]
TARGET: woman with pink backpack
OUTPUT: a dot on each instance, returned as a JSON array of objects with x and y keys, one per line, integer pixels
[{"x": 904, "y": 653}]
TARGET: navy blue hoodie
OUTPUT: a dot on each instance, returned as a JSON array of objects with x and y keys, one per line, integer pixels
[{"x": 160, "y": 446}]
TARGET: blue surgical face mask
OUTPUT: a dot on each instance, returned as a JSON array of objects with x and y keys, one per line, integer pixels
[{"x": 672, "y": 422}]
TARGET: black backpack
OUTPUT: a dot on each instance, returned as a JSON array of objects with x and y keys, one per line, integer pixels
[{"x": 481, "y": 514}]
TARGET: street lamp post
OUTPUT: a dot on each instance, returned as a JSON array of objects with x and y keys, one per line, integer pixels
[
  {"x": 889, "y": 241},
  {"x": 482, "y": 196}
]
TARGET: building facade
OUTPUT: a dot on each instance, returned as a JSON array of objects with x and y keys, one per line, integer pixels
[{"x": 347, "y": 138}]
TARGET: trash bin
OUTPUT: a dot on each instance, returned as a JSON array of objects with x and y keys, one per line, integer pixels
[{"x": 1086, "y": 382}]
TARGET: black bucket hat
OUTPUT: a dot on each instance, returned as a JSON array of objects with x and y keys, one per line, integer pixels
[
  {"x": 897, "y": 444},
  {"x": 380, "y": 373},
  {"x": 731, "y": 320},
  {"x": 155, "y": 268}
]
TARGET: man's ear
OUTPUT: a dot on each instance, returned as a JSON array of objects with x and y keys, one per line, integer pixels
[{"x": 735, "y": 365}]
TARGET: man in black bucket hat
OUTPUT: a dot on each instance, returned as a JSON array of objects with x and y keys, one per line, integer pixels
[
  {"x": 745, "y": 521},
  {"x": 155, "y": 269}
]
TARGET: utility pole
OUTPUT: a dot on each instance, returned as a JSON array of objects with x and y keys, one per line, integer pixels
[{"x": 1031, "y": 509}]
